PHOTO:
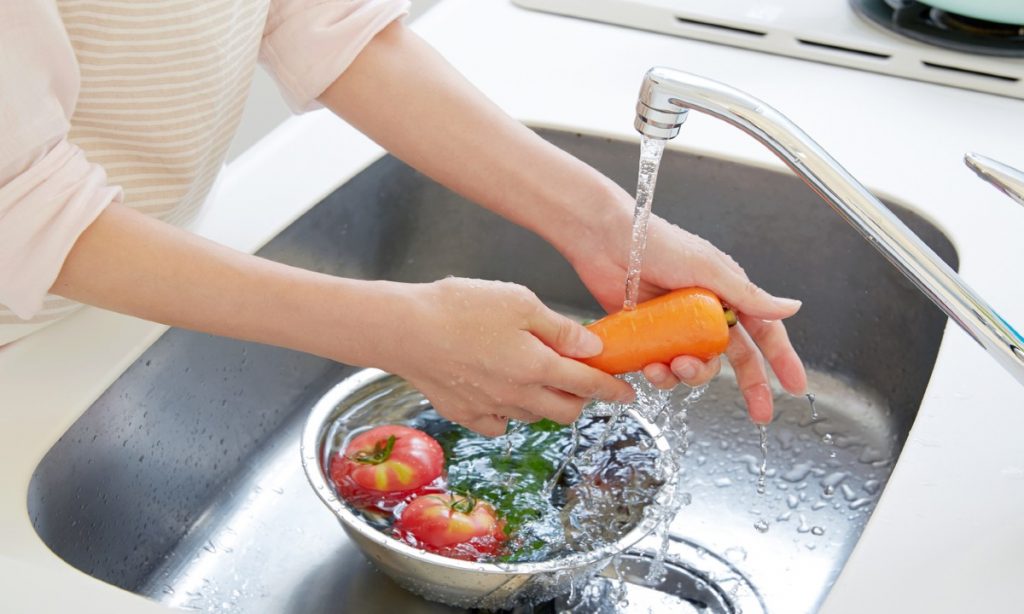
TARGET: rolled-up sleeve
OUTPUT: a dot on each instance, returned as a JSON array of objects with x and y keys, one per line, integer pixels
[
  {"x": 49, "y": 191},
  {"x": 307, "y": 44}
]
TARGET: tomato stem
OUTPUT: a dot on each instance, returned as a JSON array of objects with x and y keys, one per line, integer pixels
[
  {"x": 381, "y": 452},
  {"x": 463, "y": 505}
]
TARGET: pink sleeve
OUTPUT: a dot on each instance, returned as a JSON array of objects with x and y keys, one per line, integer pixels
[
  {"x": 49, "y": 192},
  {"x": 308, "y": 43}
]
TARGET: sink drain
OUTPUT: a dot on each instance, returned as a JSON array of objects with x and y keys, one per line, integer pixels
[{"x": 696, "y": 581}]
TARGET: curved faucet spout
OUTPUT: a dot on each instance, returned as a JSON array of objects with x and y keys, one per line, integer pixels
[{"x": 667, "y": 94}]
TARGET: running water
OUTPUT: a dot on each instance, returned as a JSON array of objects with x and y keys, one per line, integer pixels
[
  {"x": 762, "y": 473},
  {"x": 827, "y": 438},
  {"x": 650, "y": 159},
  {"x": 651, "y": 403}
]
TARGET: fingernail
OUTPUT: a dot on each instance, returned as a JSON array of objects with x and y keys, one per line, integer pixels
[
  {"x": 589, "y": 344},
  {"x": 627, "y": 397},
  {"x": 687, "y": 371},
  {"x": 788, "y": 303}
]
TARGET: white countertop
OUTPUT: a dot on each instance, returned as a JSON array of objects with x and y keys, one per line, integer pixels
[{"x": 948, "y": 530}]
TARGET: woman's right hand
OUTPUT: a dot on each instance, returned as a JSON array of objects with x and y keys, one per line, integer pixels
[{"x": 485, "y": 351}]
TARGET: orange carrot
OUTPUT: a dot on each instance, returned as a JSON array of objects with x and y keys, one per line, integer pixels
[{"x": 684, "y": 322}]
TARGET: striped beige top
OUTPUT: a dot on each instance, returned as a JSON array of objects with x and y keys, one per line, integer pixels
[{"x": 139, "y": 101}]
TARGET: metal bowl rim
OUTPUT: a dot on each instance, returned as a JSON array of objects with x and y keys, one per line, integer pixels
[{"x": 310, "y": 452}]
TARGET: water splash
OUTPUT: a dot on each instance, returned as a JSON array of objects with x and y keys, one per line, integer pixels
[
  {"x": 514, "y": 426},
  {"x": 553, "y": 480}
]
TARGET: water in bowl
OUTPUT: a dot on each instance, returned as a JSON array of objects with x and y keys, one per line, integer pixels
[{"x": 559, "y": 489}]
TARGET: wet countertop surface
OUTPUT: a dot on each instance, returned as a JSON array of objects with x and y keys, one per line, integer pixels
[{"x": 947, "y": 531}]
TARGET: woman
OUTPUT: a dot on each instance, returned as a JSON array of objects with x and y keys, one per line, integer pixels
[{"x": 117, "y": 116}]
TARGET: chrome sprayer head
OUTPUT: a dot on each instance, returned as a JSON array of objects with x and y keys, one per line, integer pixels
[{"x": 657, "y": 116}]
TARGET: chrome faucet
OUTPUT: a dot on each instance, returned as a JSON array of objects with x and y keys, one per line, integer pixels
[
  {"x": 1006, "y": 179},
  {"x": 666, "y": 95}
]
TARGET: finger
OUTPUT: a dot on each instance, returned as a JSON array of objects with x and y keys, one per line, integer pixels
[
  {"x": 695, "y": 372},
  {"x": 488, "y": 426},
  {"x": 563, "y": 335},
  {"x": 772, "y": 338},
  {"x": 661, "y": 376},
  {"x": 722, "y": 276},
  {"x": 520, "y": 414},
  {"x": 555, "y": 405},
  {"x": 586, "y": 382},
  {"x": 750, "y": 375}
]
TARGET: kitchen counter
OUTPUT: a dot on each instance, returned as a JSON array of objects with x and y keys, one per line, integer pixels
[{"x": 947, "y": 531}]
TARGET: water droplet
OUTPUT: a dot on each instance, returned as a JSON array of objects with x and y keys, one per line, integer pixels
[
  {"x": 859, "y": 503},
  {"x": 762, "y": 526},
  {"x": 817, "y": 531},
  {"x": 814, "y": 409},
  {"x": 833, "y": 479},
  {"x": 798, "y": 472}
]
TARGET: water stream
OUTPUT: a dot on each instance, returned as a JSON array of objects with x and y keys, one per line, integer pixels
[
  {"x": 762, "y": 470},
  {"x": 651, "y": 403},
  {"x": 650, "y": 159}
]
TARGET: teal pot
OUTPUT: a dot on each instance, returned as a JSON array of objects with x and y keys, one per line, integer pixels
[{"x": 1001, "y": 11}]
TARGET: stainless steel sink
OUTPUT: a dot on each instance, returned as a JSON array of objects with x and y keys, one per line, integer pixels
[{"x": 183, "y": 481}]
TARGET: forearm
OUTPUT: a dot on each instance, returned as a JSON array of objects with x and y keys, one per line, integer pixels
[
  {"x": 405, "y": 96},
  {"x": 494, "y": 335},
  {"x": 132, "y": 264}
]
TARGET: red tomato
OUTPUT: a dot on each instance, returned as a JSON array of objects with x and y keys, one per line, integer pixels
[
  {"x": 456, "y": 526},
  {"x": 386, "y": 465}
]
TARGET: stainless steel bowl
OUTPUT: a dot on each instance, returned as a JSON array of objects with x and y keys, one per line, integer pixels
[{"x": 355, "y": 402}]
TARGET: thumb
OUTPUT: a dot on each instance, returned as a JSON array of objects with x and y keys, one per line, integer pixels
[{"x": 565, "y": 336}]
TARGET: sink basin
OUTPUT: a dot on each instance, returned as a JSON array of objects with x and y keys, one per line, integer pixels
[{"x": 183, "y": 481}]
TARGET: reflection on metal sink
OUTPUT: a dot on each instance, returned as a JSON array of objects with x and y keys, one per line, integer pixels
[{"x": 183, "y": 481}]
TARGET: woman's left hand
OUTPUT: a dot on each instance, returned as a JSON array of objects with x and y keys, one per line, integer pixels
[{"x": 675, "y": 258}]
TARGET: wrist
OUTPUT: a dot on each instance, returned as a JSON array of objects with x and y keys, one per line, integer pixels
[
  {"x": 360, "y": 322},
  {"x": 599, "y": 222}
]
